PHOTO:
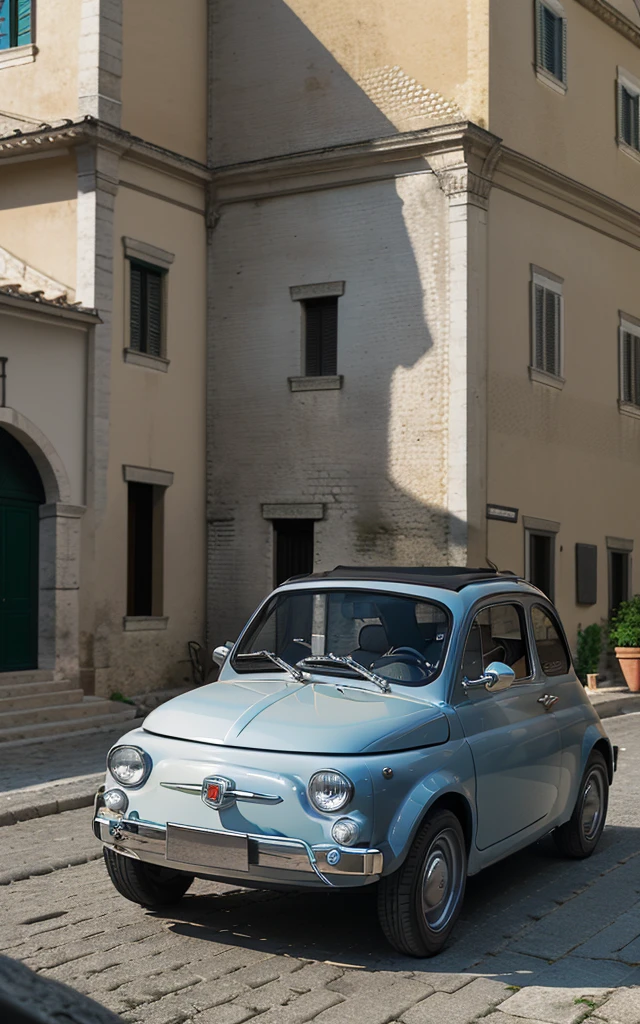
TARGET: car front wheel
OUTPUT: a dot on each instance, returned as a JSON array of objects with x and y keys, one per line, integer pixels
[
  {"x": 147, "y": 884},
  {"x": 419, "y": 903},
  {"x": 579, "y": 836}
]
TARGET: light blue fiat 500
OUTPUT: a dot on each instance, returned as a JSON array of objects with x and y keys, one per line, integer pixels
[{"x": 397, "y": 728}]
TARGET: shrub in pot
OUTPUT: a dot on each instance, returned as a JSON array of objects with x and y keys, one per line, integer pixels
[
  {"x": 588, "y": 653},
  {"x": 624, "y": 635}
]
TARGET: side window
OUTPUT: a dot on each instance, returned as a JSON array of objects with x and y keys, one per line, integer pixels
[
  {"x": 550, "y": 645},
  {"x": 497, "y": 634}
]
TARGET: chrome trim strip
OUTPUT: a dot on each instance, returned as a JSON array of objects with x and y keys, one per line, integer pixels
[
  {"x": 237, "y": 794},
  {"x": 139, "y": 837}
]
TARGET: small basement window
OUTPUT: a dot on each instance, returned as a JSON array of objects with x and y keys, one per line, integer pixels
[
  {"x": 146, "y": 309},
  {"x": 293, "y": 548}
]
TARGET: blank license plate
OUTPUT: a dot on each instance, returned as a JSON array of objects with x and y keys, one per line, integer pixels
[{"x": 207, "y": 849}]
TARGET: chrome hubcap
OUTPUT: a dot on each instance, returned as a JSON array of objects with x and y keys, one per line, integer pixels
[
  {"x": 592, "y": 804},
  {"x": 442, "y": 880}
]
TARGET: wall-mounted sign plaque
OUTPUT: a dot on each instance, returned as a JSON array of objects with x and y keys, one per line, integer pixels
[{"x": 503, "y": 512}]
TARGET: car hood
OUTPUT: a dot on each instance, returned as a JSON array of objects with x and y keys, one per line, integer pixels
[{"x": 327, "y": 718}]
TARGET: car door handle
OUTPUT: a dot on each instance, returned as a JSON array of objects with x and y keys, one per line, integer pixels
[{"x": 547, "y": 701}]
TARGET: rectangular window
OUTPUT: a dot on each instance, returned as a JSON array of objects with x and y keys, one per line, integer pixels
[
  {"x": 551, "y": 39},
  {"x": 321, "y": 336},
  {"x": 15, "y": 23},
  {"x": 629, "y": 364},
  {"x": 619, "y": 577},
  {"x": 146, "y": 308},
  {"x": 547, "y": 323},
  {"x": 293, "y": 548},
  {"x": 145, "y": 549},
  {"x": 498, "y": 633},
  {"x": 541, "y": 561},
  {"x": 550, "y": 643},
  {"x": 629, "y": 117}
]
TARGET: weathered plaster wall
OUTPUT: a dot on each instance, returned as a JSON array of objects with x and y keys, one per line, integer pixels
[
  {"x": 570, "y": 455},
  {"x": 374, "y": 452},
  {"x": 164, "y": 74},
  {"x": 47, "y": 89},
  {"x": 38, "y": 215},
  {"x": 574, "y": 133},
  {"x": 298, "y": 75},
  {"x": 156, "y": 421}
]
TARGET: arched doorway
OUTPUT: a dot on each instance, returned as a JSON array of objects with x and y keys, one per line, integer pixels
[{"x": 21, "y": 494}]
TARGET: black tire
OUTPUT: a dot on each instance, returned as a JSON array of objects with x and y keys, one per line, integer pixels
[
  {"x": 579, "y": 836},
  {"x": 146, "y": 884},
  {"x": 403, "y": 897}
]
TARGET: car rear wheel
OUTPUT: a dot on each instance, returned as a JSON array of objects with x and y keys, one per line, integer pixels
[
  {"x": 579, "y": 836},
  {"x": 419, "y": 903},
  {"x": 147, "y": 884}
]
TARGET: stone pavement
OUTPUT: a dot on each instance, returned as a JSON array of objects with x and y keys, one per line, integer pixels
[{"x": 540, "y": 939}]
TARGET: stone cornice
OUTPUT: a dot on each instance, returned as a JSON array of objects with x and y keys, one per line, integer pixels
[
  {"x": 461, "y": 150},
  {"x": 36, "y": 310},
  {"x": 613, "y": 18},
  {"x": 89, "y": 131}
]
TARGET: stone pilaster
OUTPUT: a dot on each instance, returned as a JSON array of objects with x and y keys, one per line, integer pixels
[
  {"x": 100, "y": 60},
  {"x": 59, "y": 589}
]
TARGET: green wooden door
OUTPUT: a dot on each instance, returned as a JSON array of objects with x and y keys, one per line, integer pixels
[{"x": 21, "y": 493}]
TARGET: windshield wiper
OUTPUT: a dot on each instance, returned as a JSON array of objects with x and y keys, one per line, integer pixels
[
  {"x": 333, "y": 659},
  {"x": 284, "y": 665}
]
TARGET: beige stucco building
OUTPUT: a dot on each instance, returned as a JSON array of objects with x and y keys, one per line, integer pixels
[
  {"x": 103, "y": 186},
  {"x": 423, "y": 293}
]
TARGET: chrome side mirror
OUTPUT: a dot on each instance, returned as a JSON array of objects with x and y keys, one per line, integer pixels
[
  {"x": 220, "y": 654},
  {"x": 498, "y": 676}
]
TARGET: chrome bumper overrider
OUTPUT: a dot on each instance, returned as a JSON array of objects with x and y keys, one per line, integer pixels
[{"x": 147, "y": 840}]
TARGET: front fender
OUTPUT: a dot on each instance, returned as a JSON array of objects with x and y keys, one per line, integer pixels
[{"x": 456, "y": 781}]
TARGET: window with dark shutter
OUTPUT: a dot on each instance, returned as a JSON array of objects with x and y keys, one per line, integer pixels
[
  {"x": 630, "y": 368},
  {"x": 628, "y": 116},
  {"x": 145, "y": 325},
  {"x": 15, "y": 23},
  {"x": 321, "y": 336},
  {"x": 551, "y": 41},
  {"x": 547, "y": 327}
]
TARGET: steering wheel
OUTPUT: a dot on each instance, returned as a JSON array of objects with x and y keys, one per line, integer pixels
[{"x": 405, "y": 656}]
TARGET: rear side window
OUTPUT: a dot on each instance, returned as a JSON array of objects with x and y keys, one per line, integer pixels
[
  {"x": 497, "y": 634},
  {"x": 550, "y": 644}
]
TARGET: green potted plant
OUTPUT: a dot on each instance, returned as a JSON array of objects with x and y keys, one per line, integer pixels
[
  {"x": 588, "y": 654},
  {"x": 624, "y": 635}
]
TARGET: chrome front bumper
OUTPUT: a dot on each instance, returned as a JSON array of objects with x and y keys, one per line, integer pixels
[{"x": 275, "y": 859}]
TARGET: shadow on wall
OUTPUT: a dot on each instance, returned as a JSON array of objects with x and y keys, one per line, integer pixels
[{"x": 374, "y": 453}]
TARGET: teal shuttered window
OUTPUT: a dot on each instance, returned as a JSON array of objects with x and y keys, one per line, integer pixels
[
  {"x": 146, "y": 309},
  {"x": 551, "y": 41},
  {"x": 16, "y": 23}
]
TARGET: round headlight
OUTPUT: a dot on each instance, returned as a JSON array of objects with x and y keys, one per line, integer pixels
[
  {"x": 330, "y": 791},
  {"x": 129, "y": 765},
  {"x": 345, "y": 831}
]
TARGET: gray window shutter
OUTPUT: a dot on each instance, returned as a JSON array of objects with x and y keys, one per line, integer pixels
[
  {"x": 154, "y": 314},
  {"x": 330, "y": 338},
  {"x": 539, "y": 326},
  {"x": 313, "y": 339},
  {"x": 635, "y": 383},
  {"x": 321, "y": 337},
  {"x": 539, "y": 34},
  {"x": 563, "y": 51},
  {"x": 135, "y": 316},
  {"x": 551, "y": 331}
]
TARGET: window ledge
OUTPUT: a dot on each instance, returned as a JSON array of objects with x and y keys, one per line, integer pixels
[
  {"x": 551, "y": 81},
  {"x": 628, "y": 150},
  {"x": 629, "y": 409},
  {"x": 131, "y": 355},
  {"x": 542, "y": 377},
  {"x": 316, "y": 383},
  {"x": 16, "y": 55},
  {"x": 136, "y": 623}
]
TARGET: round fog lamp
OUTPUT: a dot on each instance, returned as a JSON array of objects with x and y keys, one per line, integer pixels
[
  {"x": 129, "y": 765},
  {"x": 345, "y": 831},
  {"x": 330, "y": 791},
  {"x": 116, "y": 800}
]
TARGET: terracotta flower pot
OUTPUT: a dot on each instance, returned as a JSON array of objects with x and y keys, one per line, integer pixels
[{"x": 629, "y": 658}]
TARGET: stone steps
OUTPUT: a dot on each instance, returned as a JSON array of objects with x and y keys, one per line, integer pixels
[
  {"x": 29, "y": 730},
  {"x": 90, "y": 707},
  {"x": 34, "y": 675},
  {"x": 46, "y": 686},
  {"x": 38, "y": 701}
]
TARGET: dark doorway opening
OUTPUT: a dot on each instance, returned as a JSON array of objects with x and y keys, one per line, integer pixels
[
  {"x": 293, "y": 548},
  {"x": 21, "y": 494},
  {"x": 618, "y": 579},
  {"x": 541, "y": 562}
]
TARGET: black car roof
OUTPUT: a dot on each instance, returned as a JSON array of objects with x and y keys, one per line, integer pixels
[{"x": 447, "y": 577}]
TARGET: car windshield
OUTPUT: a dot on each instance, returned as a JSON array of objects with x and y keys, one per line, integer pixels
[{"x": 402, "y": 639}]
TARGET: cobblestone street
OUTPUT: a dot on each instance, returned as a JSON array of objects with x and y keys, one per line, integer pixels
[{"x": 540, "y": 939}]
